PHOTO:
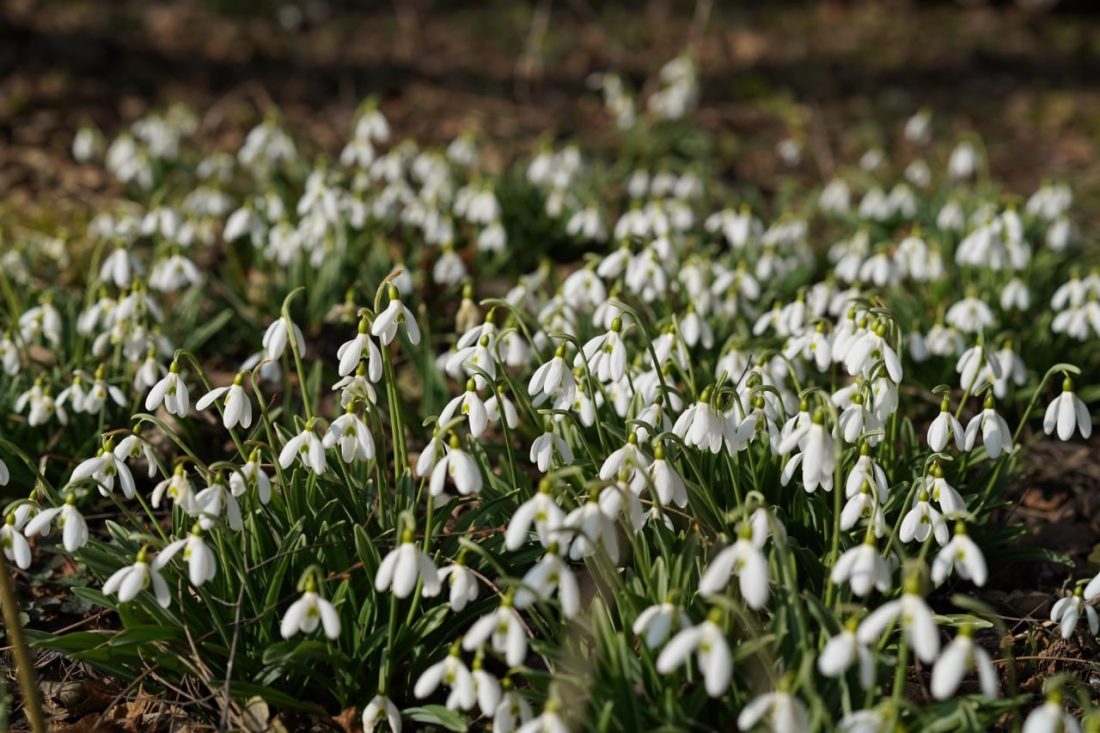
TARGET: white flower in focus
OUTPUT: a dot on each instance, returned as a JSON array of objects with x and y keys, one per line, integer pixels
[
  {"x": 712, "y": 653},
  {"x": 237, "y": 409},
  {"x": 171, "y": 392},
  {"x": 15, "y": 546},
  {"x": 463, "y": 584},
  {"x": 380, "y": 706},
  {"x": 1068, "y": 611},
  {"x": 960, "y": 555},
  {"x": 863, "y": 568},
  {"x": 306, "y": 447},
  {"x": 127, "y": 582},
  {"x": 403, "y": 566},
  {"x": 396, "y": 314},
  {"x": 200, "y": 559},
  {"x": 277, "y": 336},
  {"x": 74, "y": 529},
  {"x": 309, "y": 612},
  {"x": 844, "y": 650},
  {"x": 352, "y": 435},
  {"x": 504, "y": 631},
  {"x": 1066, "y": 412},
  {"x": 916, "y": 619},
  {"x": 744, "y": 559},
  {"x": 944, "y": 428},
  {"x": 996, "y": 436}
]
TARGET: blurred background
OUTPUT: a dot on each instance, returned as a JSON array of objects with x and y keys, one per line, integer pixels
[{"x": 838, "y": 77}]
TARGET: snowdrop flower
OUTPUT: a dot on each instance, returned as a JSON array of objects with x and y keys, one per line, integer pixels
[
  {"x": 922, "y": 520},
  {"x": 251, "y": 475},
  {"x": 588, "y": 527},
  {"x": 548, "y": 575},
  {"x": 237, "y": 409},
  {"x": 462, "y": 582},
  {"x": 657, "y": 621},
  {"x": 74, "y": 530},
  {"x": 512, "y": 710},
  {"x": 962, "y": 555},
  {"x": 844, "y": 650},
  {"x": 277, "y": 336},
  {"x": 309, "y": 612},
  {"x": 215, "y": 499},
  {"x": 863, "y": 568},
  {"x": 499, "y": 405},
  {"x": 352, "y": 435},
  {"x": 43, "y": 405},
  {"x": 605, "y": 354},
  {"x": 171, "y": 392},
  {"x": 178, "y": 488},
  {"x": 453, "y": 673},
  {"x": 783, "y": 711},
  {"x": 956, "y": 660},
  {"x": 470, "y": 405},
  {"x": 865, "y": 721},
  {"x": 103, "y": 469},
  {"x": 380, "y": 706},
  {"x": 396, "y": 314},
  {"x": 460, "y": 467},
  {"x": 16, "y": 548},
  {"x": 712, "y": 653},
  {"x": 504, "y": 631},
  {"x": 964, "y": 161},
  {"x": 701, "y": 426},
  {"x": 996, "y": 436},
  {"x": 351, "y": 352},
  {"x": 970, "y": 315},
  {"x": 817, "y": 457},
  {"x": 1066, "y": 412},
  {"x": 547, "y": 446},
  {"x": 550, "y": 721},
  {"x": 943, "y": 493},
  {"x": 201, "y": 564},
  {"x": 916, "y": 618},
  {"x": 127, "y": 582},
  {"x": 42, "y": 319},
  {"x": 97, "y": 396},
  {"x": 1051, "y": 717},
  {"x": 1068, "y": 610},
  {"x": 744, "y": 559},
  {"x": 403, "y": 566},
  {"x": 554, "y": 378},
  {"x": 306, "y": 447},
  {"x": 1015, "y": 295},
  {"x": 668, "y": 484},
  {"x": 945, "y": 427},
  {"x": 540, "y": 510}
]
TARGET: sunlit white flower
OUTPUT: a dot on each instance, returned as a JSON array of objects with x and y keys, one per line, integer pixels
[
  {"x": 307, "y": 447},
  {"x": 996, "y": 436},
  {"x": 352, "y": 435},
  {"x": 512, "y": 712},
  {"x": 923, "y": 520},
  {"x": 458, "y": 466},
  {"x": 380, "y": 706},
  {"x": 462, "y": 582},
  {"x": 403, "y": 566},
  {"x": 1051, "y": 717},
  {"x": 549, "y": 575},
  {"x": 127, "y": 582},
  {"x": 962, "y": 556},
  {"x": 863, "y": 568},
  {"x": 452, "y": 673},
  {"x": 1066, "y": 412},
  {"x": 547, "y": 447},
  {"x": 74, "y": 530},
  {"x": 277, "y": 336},
  {"x": 712, "y": 653},
  {"x": 237, "y": 408},
  {"x": 945, "y": 427},
  {"x": 396, "y": 314},
  {"x": 781, "y": 710},
  {"x": 916, "y": 619},
  {"x": 503, "y": 630},
  {"x": 956, "y": 660},
  {"x": 844, "y": 650},
  {"x": 103, "y": 470},
  {"x": 745, "y": 560},
  {"x": 201, "y": 563},
  {"x": 171, "y": 391},
  {"x": 309, "y": 612},
  {"x": 15, "y": 546},
  {"x": 1068, "y": 611},
  {"x": 540, "y": 510}
]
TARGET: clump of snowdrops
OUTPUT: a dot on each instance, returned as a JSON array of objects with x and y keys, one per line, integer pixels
[{"x": 730, "y": 468}]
